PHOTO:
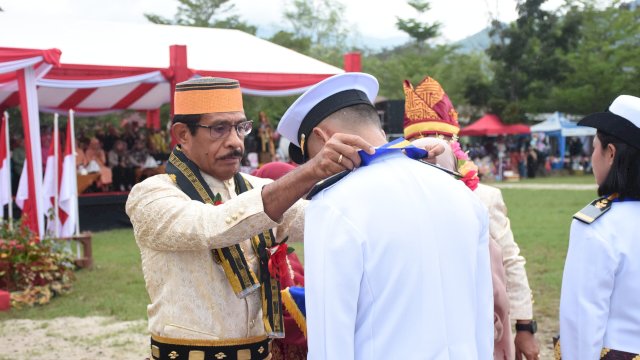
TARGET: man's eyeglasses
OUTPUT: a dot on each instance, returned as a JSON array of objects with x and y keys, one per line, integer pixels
[{"x": 218, "y": 131}]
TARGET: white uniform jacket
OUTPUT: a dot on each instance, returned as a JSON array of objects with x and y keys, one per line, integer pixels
[
  {"x": 518, "y": 290},
  {"x": 190, "y": 295},
  {"x": 397, "y": 267},
  {"x": 600, "y": 300}
]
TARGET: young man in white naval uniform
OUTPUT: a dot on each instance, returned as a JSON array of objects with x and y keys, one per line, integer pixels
[{"x": 386, "y": 275}]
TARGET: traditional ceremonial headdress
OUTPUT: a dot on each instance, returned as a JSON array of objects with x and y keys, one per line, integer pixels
[
  {"x": 428, "y": 111},
  {"x": 207, "y": 95},
  {"x": 320, "y": 101}
]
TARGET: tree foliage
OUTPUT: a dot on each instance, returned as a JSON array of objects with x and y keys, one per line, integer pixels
[
  {"x": 418, "y": 30},
  {"x": 316, "y": 28},
  {"x": 605, "y": 62},
  {"x": 203, "y": 13},
  {"x": 529, "y": 56},
  {"x": 575, "y": 59}
]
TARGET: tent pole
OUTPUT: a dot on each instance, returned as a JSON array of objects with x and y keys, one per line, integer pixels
[{"x": 179, "y": 73}]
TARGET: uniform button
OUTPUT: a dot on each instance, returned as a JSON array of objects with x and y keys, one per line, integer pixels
[
  {"x": 235, "y": 216},
  {"x": 228, "y": 220},
  {"x": 252, "y": 323},
  {"x": 241, "y": 211}
]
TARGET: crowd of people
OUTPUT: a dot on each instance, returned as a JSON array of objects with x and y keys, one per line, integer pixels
[
  {"x": 126, "y": 154},
  {"x": 122, "y": 155},
  {"x": 528, "y": 156}
]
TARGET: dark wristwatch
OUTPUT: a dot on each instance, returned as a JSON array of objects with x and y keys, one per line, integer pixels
[{"x": 531, "y": 327}]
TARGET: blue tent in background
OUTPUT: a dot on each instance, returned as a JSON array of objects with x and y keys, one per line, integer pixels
[{"x": 560, "y": 127}]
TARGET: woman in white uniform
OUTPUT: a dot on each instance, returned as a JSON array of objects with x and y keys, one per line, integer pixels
[{"x": 600, "y": 301}]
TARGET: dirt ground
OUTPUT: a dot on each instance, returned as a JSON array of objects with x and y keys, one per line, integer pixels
[
  {"x": 73, "y": 338},
  {"x": 104, "y": 338}
]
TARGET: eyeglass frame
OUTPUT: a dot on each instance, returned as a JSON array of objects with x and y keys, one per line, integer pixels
[{"x": 228, "y": 130}]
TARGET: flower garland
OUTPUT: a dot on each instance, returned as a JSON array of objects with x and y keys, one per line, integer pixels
[{"x": 466, "y": 166}]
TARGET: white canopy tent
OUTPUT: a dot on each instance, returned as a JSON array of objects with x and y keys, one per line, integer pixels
[
  {"x": 112, "y": 66},
  {"x": 560, "y": 127},
  {"x": 559, "y": 124}
]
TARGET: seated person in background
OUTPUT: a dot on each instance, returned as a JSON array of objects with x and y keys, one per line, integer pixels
[
  {"x": 120, "y": 163},
  {"x": 96, "y": 160},
  {"x": 141, "y": 160},
  {"x": 81, "y": 158},
  {"x": 158, "y": 146},
  {"x": 139, "y": 154}
]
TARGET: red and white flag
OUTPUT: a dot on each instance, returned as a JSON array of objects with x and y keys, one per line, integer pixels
[
  {"x": 51, "y": 188},
  {"x": 22, "y": 195},
  {"x": 68, "y": 199},
  {"x": 5, "y": 172}
]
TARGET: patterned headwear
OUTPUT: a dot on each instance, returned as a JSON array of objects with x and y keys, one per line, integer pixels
[
  {"x": 428, "y": 111},
  {"x": 207, "y": 95}
]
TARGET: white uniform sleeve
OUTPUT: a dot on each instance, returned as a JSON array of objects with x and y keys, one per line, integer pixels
[
  {"x": 333, "y": 271},
  {"x": 484, "y": 290},
  {"x": 587, "y": 284}
]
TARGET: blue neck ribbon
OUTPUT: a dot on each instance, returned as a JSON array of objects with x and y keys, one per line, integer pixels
[{"x": 396, "y": 145}]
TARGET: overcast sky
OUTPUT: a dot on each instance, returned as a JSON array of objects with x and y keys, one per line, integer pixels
[{"x": 371, "y": 18}]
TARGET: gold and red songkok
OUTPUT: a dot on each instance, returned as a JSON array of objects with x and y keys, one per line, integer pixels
[
  {"x": 207, "y": 95},
  {"x": 428, "y": 111}
]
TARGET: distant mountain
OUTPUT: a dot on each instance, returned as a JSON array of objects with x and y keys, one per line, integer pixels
[
  {"x": 478, "y": 42},
  {"x": 360, "y": 41},
  {"x": 377, "y": 44}
]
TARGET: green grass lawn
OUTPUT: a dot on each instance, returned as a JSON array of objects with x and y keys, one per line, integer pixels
[
  {"x": 540, "y": 220},
  {"x": 114, "y": 287},
  {"x": 574, "y": 179}
]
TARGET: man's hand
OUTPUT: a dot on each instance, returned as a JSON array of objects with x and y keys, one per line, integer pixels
[
  {"x": 339, "y": 153},
  {"x": 434, "y": 150},
  {"x": 527, "y": 346}
]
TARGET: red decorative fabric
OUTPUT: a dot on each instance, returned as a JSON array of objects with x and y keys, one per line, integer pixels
[
  {"x": 51, "y": 56},
  {"x": 294, "y": 344},
  {"x": 269, "y": 81},
  {"x": 273, "y": 170}
]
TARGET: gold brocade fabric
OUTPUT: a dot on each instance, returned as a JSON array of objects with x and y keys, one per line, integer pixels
[
  {"x": 190, "y": 298},
  {"x": 421, "y": 100}
]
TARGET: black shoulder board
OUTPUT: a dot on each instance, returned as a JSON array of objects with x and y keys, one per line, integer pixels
[
  {"x": 450, "y": 172},
  {"x": 326, "y": 183},
  {"x": 594, "y": 210}
]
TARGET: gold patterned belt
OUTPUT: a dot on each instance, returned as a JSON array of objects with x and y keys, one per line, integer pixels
[
  {"x": 605, "y": 354},
  {"x": 254, "y": 348}
]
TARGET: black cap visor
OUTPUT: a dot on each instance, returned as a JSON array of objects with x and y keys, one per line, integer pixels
[
  {"x": 295, "y": 154},
  {"x": 615, "y": 125}
]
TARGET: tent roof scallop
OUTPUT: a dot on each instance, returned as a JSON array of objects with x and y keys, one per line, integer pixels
[{"x": 558, "y": 124}]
